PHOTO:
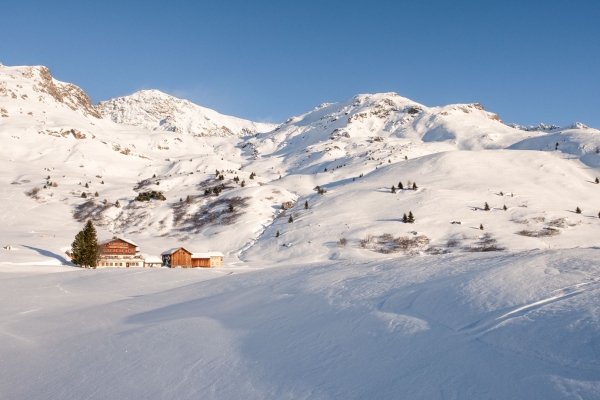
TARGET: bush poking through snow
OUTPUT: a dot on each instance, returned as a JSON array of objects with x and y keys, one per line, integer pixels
[
  {"x": 486, "y": 243},
  {"x": 90, "y": 210},
  {"x": 546, "y": 232},
  {"x": 343, "y": 242},
  {"x": 452, "y": 243},
  {"x": 486, "y": 207},
  {"x": 34, "y": 193},
  {"x": 387, "y": 244},
  {"x": 152, "y": 195},
  {"x": 578, "y": 210}
]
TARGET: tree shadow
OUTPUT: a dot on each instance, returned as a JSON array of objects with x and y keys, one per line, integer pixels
[{"x": 50, "y": 254}]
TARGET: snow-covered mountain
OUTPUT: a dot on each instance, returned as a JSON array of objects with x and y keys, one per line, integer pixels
[
  {"x": 59, "y": 146},
  {"x": 157, "y": 111}
]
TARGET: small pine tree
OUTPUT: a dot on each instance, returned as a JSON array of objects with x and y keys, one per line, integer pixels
[
  {"x": 104, "y": 201},
  {"x": 599, "y": 215},
  {"x": 501, "y": 194},
  {"x": 188, "y": 199},
  {"x": 83, "y": 195},
  {"x": 231, "y": 209},
  {"x": 486, "y": 207},
  {"x": 325, "y": 170},
  {"x": 481, "y": 226},
  {"x": 102, "y": 183},
  {"x": 85, "y": 247},
  {"x": 393, "y": 189},
  {"x": 117, "y": 204},
  {"x": 87, "y": 186},
  {"x": 400, "y": 186},
  {"x": 411, "y": 218},
  {"x": 96, "y": 194},
  {"x": 217, "y": 173},
  {"x": 405, "y": 218},
  {"x": 180, "y": 199},
  {"x": 154, "y": 176},
  {"x": 48, "y": 177},
  {"x": 597, "y": 181},
  {"x": 504, "y": 207},
  {"x": 45, "y": 187},
  {"x": 277, "y": 234},
  {"x": 578, "y": 210},
  {"x": 243, "y": 184},
  {"x": 415, "y": 187},
  {"x": 406, "y": 157},
  {"x": 306, "y": 205},
  {"x": 291, "y": 219}
]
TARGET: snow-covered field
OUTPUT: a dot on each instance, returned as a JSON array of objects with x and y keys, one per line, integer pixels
[
  {"x": 336, "y": 297},
  {"x": 497, "y": 326}
]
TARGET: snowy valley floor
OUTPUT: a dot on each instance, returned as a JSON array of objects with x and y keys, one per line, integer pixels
[{"x": 466, "y": 326}]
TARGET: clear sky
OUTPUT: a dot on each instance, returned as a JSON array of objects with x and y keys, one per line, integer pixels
[{"x": 530, "y": 61}]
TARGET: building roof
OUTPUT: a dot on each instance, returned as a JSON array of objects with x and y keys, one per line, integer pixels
[
  {"x": 208, "y": 255},
  {"x": 173, "y": 250},
  {"x": 131, "y": 242},
  {"x": 152, "y": 259}
]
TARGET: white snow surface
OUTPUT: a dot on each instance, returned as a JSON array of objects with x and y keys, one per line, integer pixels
[{"x": 296, "y": 312}]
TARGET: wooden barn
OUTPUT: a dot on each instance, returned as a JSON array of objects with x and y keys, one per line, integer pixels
[
  {"x": 177, "y": 257},
  {"x": 182, "y": 257},
  {"x": 207, "y": 260}
]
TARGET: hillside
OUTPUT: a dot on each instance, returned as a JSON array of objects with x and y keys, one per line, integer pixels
[{"x": 57, "y": 147}]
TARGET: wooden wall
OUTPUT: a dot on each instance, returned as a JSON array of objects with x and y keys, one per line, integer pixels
[
  {"x": 201, "y": 262},
  {"x": 181, "y": 258}
]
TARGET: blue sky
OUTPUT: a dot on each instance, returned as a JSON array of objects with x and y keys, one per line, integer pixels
[{"x": 529, "y": 61}]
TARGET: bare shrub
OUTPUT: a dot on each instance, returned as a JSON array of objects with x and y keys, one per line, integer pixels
[
  {"x": 486, "y": 243},
  {"x": 215, "y": 213},
  {"x": 452, "y": 243},
  {"x": 558, "y": 223},
  {"x": 90, "y": 210},
  {"x": 434, "y": 251},
  {"x": 364, "y": 243},
  {"x": 538, "y": 219},
  {"x": 519, "y": 221},
  {"x": 546, "y": 232},
  {"x": 386, "y": 243},
  {"x": 343, "y": 242},
  {"x": 34, "y": 193}
]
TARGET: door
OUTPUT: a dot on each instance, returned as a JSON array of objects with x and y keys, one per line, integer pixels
[{"x": 127, "y": 265}]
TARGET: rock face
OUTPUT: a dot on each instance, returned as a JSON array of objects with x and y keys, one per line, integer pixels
[
  {"x": 157, "y": 111},
  {"x": 37, "y": 84}
]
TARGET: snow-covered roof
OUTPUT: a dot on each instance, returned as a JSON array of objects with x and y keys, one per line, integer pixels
[
  {"x": 131, "y": 242},
  {"x": 208, "y": 254},
  {"x": 173, "y": 250},
  {"x": 152, "y": 259}
]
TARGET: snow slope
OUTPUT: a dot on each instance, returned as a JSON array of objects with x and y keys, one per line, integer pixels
[
  {"x": 468, "y": 326},
  {"x": 157, "y": 111}
]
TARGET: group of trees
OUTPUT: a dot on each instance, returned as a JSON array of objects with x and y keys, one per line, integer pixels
[
  {"x": 401, "y": 186},
  {"x": 408, "y": 219}
]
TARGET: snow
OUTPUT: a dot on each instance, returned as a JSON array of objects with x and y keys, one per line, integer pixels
[
  {"x": 328, "y": 306},
  {"x": 460, "y": 326}
]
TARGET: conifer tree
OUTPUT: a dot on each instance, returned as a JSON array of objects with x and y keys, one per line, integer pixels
[
  {"x": 85, "y": 247},
  {"x": 231, "y": 209},
  {"x": 415, "y": 187},
  {"x": 504, "y": 208},
  {"x": 501, "y": 194},
  {"x": 154, "y": 176},
  {"x": 597, "y": 181},
  {"x": 188, "y": 199},
  {"x": 83, "y": 195},
  {"x": 96, "y": 194},
  {"x": 117, "y": 204},
  {"x": 405, "y": 218},
  {"x": 325, "y": 170},
  {"x": 277, "y": 234},
  {"x": 291, "y": 219},
  {"x": 486, "y": 207},
  {"x": 481, "y": 226},
  {"x": 87, "y": 186},
  {"x": 400, "y": 186},
  {"x": 393, "y": 189},
  {"x": 599, "y": 215},
  {"x": 411, "y": 218},
  {"x": 243, "y": 184},
  {"x": 306, "y": 205},
  {"x": 578, "y": 210}
]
